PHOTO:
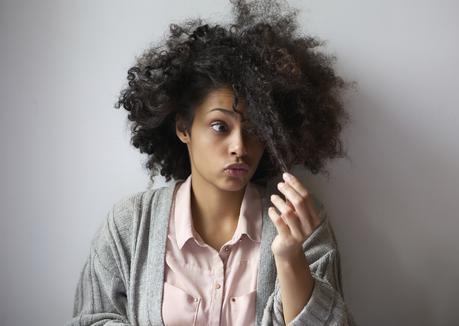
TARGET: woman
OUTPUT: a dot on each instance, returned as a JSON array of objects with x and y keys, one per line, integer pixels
[{"x": 222, "y": 111}]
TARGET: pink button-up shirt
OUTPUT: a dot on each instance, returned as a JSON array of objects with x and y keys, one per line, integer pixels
[{"x": 206, "y": 287}]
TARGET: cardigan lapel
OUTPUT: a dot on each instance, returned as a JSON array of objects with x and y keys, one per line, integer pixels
[
  {"x": 161, "y": 207},
  {"x": 159, "y": 217},
  {"x": 267, "y": 271}
]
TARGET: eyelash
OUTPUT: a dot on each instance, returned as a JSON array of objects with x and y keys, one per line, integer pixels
[
  {"x": 249, "y": 132},
  {"x": 218, "y": 123}
]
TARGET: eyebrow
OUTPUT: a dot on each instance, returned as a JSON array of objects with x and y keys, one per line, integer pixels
[
  {"x": 231, "y": 113},
  {"x": 223, "y": 110}
]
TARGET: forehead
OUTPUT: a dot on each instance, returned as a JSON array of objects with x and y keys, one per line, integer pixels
[{"x": 222, "y": 98}]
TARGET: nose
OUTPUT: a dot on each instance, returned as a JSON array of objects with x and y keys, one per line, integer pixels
[{"x": 238, "y": 147}]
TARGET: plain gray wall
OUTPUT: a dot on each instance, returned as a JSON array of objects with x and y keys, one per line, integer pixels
[{"x": 66, "y": 158}]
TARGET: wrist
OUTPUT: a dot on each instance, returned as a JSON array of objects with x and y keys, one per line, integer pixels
[{"x": 295, "y": 256}]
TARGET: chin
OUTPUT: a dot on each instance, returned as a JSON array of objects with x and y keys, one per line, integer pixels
[{"x": 236, "y": 183}]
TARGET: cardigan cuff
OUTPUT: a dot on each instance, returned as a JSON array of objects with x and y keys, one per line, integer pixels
[{"x": 319, "y": 307}]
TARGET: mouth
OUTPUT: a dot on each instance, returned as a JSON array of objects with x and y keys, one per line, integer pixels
[
  {"x": 237, "y": 166},
  {"x": 234, "y": 172}
]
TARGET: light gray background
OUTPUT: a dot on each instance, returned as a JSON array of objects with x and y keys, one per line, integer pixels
[{"x": 66, "y": 158}]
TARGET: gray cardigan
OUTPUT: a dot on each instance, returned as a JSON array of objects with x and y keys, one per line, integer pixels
[{"x": 121, "y": 282}]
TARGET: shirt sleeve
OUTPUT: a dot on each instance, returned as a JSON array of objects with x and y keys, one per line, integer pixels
[{"x": 100, "y": 297}]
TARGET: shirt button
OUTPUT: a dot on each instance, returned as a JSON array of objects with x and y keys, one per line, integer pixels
[
  {"x": 227, "y": 248},
  {"x": 196, "y": 299},
  {"x": 233, "y": 299},
  {"x": 217, "y": 286}
]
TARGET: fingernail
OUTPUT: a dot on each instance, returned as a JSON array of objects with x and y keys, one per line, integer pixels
[{"x": 287, "y": 176}]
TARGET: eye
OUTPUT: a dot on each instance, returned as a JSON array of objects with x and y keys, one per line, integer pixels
[{"x": 218, "y": 124}]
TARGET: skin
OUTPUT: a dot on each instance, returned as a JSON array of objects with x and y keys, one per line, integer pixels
[{"x": 219, "y": 139}]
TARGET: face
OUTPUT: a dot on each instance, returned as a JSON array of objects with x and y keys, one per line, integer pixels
[{"x": 219, "y": 137}]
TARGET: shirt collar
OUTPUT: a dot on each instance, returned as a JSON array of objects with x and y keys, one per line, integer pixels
[{"x": 249, "y": 221}]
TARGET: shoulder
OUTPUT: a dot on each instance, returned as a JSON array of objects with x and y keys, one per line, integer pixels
[
  {"x": 123, "y": 223},
  {"x": 118, "y": 217},
  {"x": 130, "y": 210},
  {"x": 126, "y": 206},
  {"x": 121, "y": 218},
  {"x": 133, "y": 209}
]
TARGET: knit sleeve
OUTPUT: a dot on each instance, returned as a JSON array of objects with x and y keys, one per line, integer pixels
[
  {"x": 100, "y": 298},
  {"x": 101, "y": 292}
]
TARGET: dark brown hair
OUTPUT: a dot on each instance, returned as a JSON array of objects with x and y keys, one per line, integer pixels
[{"x": 292, "y": 92}]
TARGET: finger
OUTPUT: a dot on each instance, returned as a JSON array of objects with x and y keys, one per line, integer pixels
[
  {"x": 295, "y": 183},
  {"x": 278, "y": 221},
  {"x": 294, "y": 223},
  {"x": 290, "y": 217},
  {"x": 300, "y": 206},
  {"x": 291, "y": 195}
]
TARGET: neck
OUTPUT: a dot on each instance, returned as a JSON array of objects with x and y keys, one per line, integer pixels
[{"x": 214, "y": 211}]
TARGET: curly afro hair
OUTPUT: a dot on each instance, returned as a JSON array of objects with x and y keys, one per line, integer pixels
[{"x": 292, "y": 92}]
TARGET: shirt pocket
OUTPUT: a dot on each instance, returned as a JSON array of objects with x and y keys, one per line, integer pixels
[
  {"x": 179, "y": 307},
  {"x": 242, "y": 309}
]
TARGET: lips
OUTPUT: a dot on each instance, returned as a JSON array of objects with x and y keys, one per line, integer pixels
[{"x": 237, "y": 166}]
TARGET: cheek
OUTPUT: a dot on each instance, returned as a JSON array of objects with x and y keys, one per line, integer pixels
[
  {"x": 210, "y": 142},
  {"x": 201, "y": 134},
  {"x": 207, "y": 146}
]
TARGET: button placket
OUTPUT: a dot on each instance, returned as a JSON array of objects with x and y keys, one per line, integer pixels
[{"x": 219, "y": 276}]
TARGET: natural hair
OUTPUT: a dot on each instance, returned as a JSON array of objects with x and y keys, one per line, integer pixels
[{"x": 292, "y": 92}]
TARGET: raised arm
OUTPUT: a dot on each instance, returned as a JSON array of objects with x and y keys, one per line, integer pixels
[
  {"x": 326, "y": 305},
  {"x": 308, "y": 287}
]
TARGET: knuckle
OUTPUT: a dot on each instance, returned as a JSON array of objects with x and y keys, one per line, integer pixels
[{"x": 297, "y": 201}]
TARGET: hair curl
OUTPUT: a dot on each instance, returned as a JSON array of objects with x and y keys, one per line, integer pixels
[{"x": 292, "y": 92}]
